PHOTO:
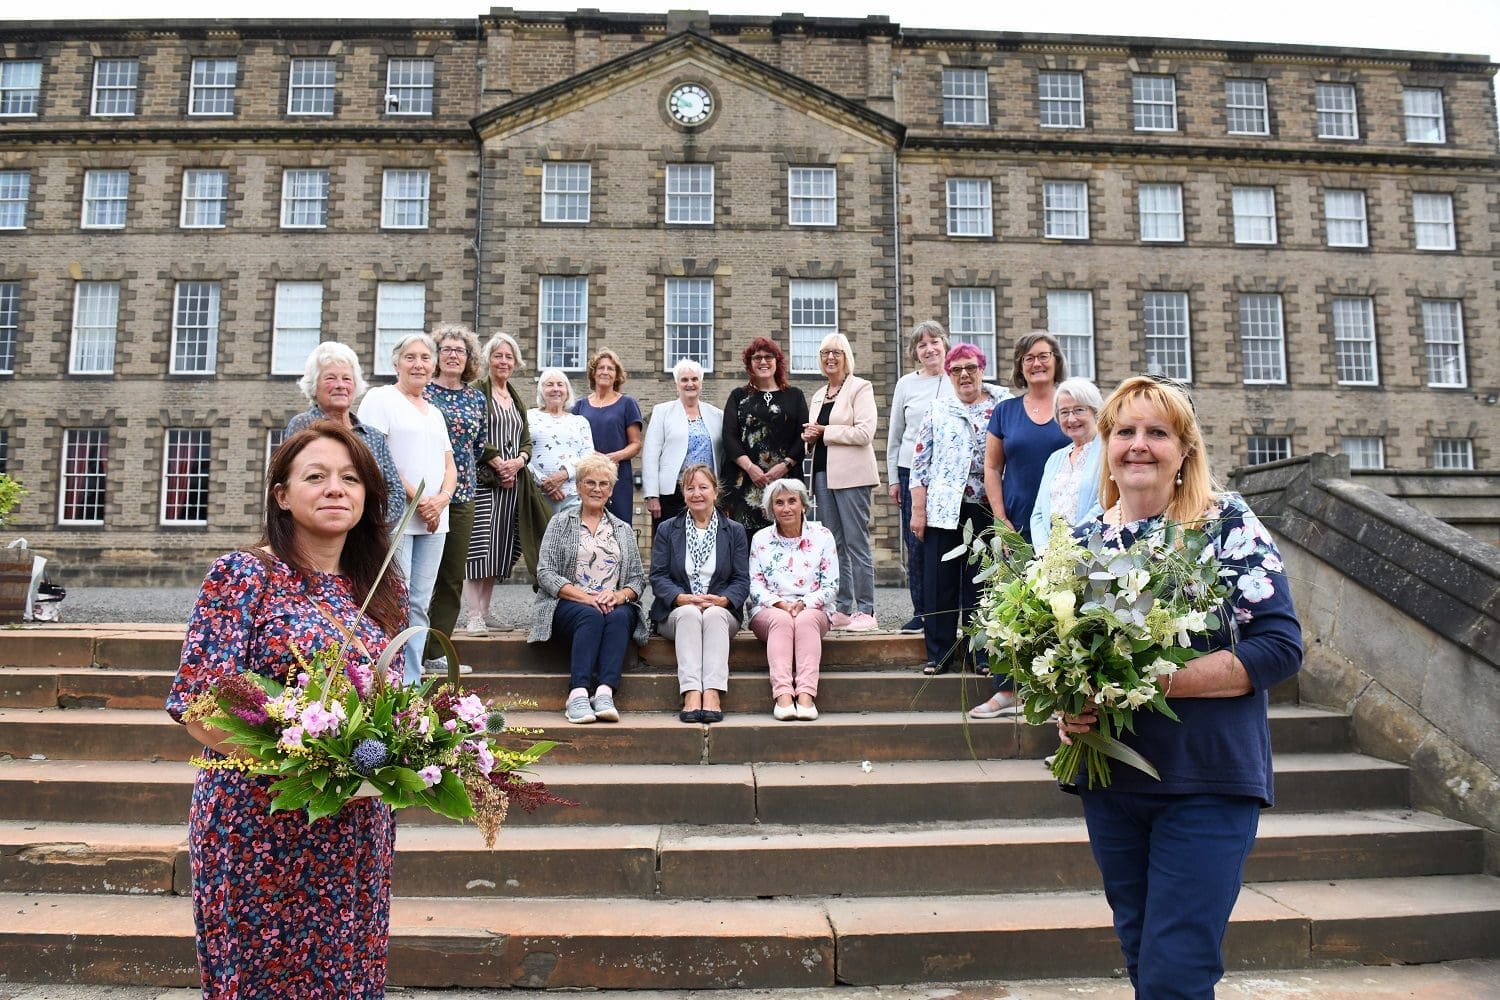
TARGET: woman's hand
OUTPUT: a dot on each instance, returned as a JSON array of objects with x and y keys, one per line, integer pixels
[
  {"x": 775, "y": 472},
  {"x": 896, "y": 493},
  {"x": 919, "y": 523},
  {"x": 653, "y": 506},
  {"x": 1069, "y": 724},
  {"x": 812, "y": 432},
  {"x": 607, "y": 600},
  {"x": 793, "y": 608}
]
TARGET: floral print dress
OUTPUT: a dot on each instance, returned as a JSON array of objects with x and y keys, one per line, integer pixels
[
  {"x": 766, "y": 427},
  {"x": 283, "y": 908}
]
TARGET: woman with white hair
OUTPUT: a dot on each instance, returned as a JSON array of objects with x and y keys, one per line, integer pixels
[
  {"x": 332, "y": 381},
  {"x": 841, "y": 437},
  {"x": 418, "y": 439},
  {"x": 559, "y": 438},
  {"x": 794, "y": 575},
  {"x": 1070, "y": 479},
  {"x": 685, "y": 431}
]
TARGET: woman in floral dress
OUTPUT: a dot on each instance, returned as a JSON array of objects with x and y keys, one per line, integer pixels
[
  {"x": 762, "y": 434},
  {"x": 285, "y": 908}
]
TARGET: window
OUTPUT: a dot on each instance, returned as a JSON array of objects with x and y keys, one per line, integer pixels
[
  {"x": 274, "y": 437},
  {"x": 1432, "y": 215},
  {"x": 1262, "y": 342},
  {"x": 1263, "y": 448},
  {"x": 1153, "y": 100},
  {"x": 1168, "y": 348},
  {"x": 403, "y": 199},
  {"x": 966, "y": 97},
  {"x": 690, "y": 194},
  {"x": 10, "y": 324},
  {"x": 814, "y": 314},
  {"x": 408, "y": 87},
  {"x": 690, "y": 321},
  {"x": 1344, "y": 217},
  {"x": 195, "y": 328},
  {"x": 1443, "y": 333},
  {"x": 114, "y": 87},
  {"x": 1161, "y": 213},
  {"x": 310, "y": 87},
  {"x": 1246, "y": 109},
  {"x": 1065, "y": 210},
  {"x": 812, "y": 196},
  {"x": 1070, "y": 318},
  {"x": 96, "y": 309},
  {"x": 15, "y": 192},
  {"x": 212, "y": 89},
  {"x": 1452, "y": 453},
  {"x": 297, "y": 326},
  {"x": 400, "y": 311},
  {"x": 304, "y": 199},
  {"x": 1060, "y": 99},
  {"x": 971, "y": 320},
  {"x": 205, "y": 198},
  {"x": 20, "y": 86},
  {"x": 1338, "y": 115},
  {"x": 4, "y": 449},
  {"x": 968, "y": 207},
  {"x": 85, "y": 467},
  {"x": 563, "y": 330},
  {"x": 184, "y": 476},
  {"x": 1423, "y": 107},
  {"x": 1354, "y": 340},
  {"x": 1254, "y": 214},
  {"x": 106, "y": 194},
  {"x": 566, "y": 192},
  {"x": 1363, "y": 452}
]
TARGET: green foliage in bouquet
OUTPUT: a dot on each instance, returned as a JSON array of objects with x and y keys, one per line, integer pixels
[{"x": 1093, "y": 627}]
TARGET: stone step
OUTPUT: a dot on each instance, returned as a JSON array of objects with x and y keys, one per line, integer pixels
[
  {"x": 747, "y": 861},
  {"x": 656, "y": 737},
  {"x": 897, "y": 792},
  {"x": 776, "y": 944}
]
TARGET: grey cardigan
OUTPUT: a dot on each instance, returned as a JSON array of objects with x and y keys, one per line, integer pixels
[{"x": 558, "y": 560}]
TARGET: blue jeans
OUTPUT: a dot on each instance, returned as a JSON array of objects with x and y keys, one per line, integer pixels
[
  {"x": 1172, "y": 868},
  {"x": 597, "y": 642},
  {"x": 418, "y": 556},
  {"x": 914, "y": 560}
]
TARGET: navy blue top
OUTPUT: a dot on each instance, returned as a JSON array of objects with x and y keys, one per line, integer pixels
[
  {"x": 611, "y": 429},
  {"x": 1222, "y": 746},
  {"x": 669, "y": 569},
  {"x": 1028, "y": 445}
]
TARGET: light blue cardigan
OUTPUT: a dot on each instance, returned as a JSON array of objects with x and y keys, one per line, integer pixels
[{"x": 1088, "y": 491}]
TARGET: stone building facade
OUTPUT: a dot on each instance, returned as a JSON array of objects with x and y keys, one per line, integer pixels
[{"x": 1308, "y": 236}]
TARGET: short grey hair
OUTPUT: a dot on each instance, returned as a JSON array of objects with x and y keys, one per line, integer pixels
[
  {"x": 572, "y": 396},
  {"x": 329, "y": 352},
  {"x": 781, "y": 486},
  {"x": 686, "y": 366},
  {"x": 1082, "y": 390},
  {"x": 926, "y": 328},
  {"x": 501, "y": 337},
  {"x": 401, "y": 346}
]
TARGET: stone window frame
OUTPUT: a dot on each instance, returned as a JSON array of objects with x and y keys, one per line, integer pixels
[
  {"x": 1271, "y": 448},
  {"x": 828, "y": 201},
  {"x": 1373, "y": 340},
  {"x": 212, "y": 327},
  {"x": 1342, "y": 448},
  {"x": 1067, "y": 339},
  {"x": 984, "y": 210},
  {"x": 10, "y": 323},
  {"x": 293, "y": 87},
  {"x": 1140, "y": 211},
  {"x": 692, "y": 173},
  {"x": 1081, "y": 100},
  {"x": 808, "y": 277},
  {"x": 387, "y": 334},
  {"x": 392, "y": 205},
  {"x": 290, "y": 199},
  {"x": 1459, "y": 455},
  {"x": 1323, "y": 90},
  {"x": 20, "y": 90},
  {"x": 293, "y": 362},
  {"x": 966, "y": 96},
  {"x": 94, "y": 201},
  {"x": 95, "y": 444},
  {"x": 109, "y": 339},
  {"x": 24, "y": 201},
  {"x": 1440, "y": 117},
  {"x": 1231, "y": 108},
  {"x": 1234, "y": 191},
  {"x": 197, "y": 480},
  {"x": 667, "y": 321},
  {"x": 1140, "y": 104},
  {"x": 1185, "y": 338},
  {"x": 1274, "y": 368},
  {"x": 587, "y": 192},
  {"x": 1455, "y": 355},
  {"x": 543, "y": 359},
  {"x": 184, "y": 200},
  {"x": 394, "y": 88},
  {"x": 1364, "y": 218},
  {"x": 113, "y": 88},
  {"x": 1449, "y": 224},
  {"x": 1087, "y": 232},
  {"x": 211, "y": 87}
]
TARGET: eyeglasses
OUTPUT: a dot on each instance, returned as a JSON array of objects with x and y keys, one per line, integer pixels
[
  {"x": 763, "y": 358},
  {"x": 1073, "y": 411},
  {"x": 963, "y": 369},
  {"x": 1032, "y": 359},
  {"x": 830, "y": 354},
  {"x": 454, "y": 352},
  {"x": 595, "y": 485}
]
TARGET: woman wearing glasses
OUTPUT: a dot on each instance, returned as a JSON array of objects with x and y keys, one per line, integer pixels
[
  {"x": 844, "y": 471},
  {"x": 763, "y": 423},
  {"x": 1070, "y": 481}
]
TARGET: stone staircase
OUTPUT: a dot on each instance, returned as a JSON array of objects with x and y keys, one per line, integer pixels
[{"x": 888, "y": 842}]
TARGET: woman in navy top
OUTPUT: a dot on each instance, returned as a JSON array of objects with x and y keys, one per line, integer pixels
[
  {"x": 1024, "y": 431},
  {"x": 1172, "y": 852},
  {"x": 616, "y": 422}
]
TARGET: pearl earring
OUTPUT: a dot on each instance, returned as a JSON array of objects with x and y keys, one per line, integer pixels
[
  {"x": 1179, "y": 477},
  {"x": 1111, "y": 477}
]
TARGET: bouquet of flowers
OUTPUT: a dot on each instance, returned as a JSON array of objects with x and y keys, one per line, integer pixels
[{"x": 1089, "y": 626}]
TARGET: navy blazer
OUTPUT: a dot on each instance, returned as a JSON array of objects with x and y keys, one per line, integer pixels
[{"x": 669, "y": 575}]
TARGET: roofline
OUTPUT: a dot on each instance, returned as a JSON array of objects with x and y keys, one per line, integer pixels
[{"x": 461, "y": 28}]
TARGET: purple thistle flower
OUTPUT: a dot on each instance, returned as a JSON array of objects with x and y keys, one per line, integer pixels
[{"x": 369, "y": 756}]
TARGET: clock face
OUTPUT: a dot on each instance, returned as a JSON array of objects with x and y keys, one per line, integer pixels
[{"x": 690, "y": 104}]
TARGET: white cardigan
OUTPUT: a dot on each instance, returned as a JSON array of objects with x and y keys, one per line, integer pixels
[{"x": 666, "y": 444}]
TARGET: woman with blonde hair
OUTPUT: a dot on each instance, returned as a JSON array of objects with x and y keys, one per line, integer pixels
[
  {"x": 615, "y": 421},
  {"x": 844, "y": 471}
]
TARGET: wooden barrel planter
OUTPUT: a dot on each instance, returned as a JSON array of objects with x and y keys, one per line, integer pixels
[{"x": 15, "y": 585}]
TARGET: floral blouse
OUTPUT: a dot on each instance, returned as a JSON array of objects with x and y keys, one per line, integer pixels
[
  {"x": 805, "y": 568},
  {"x": 463, "y": 409},
  {"x": 700, "y": 450},
  {"x": 1066, "y": 484},
  {"x": 950, "y": 445},
  {"x": 557, "y": 443},
  {"x": 598, "y": 558}
]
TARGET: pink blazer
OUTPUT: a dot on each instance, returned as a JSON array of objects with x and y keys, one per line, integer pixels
[{"x": 850, "y": 434}]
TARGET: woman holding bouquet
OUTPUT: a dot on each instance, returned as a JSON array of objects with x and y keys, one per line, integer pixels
[
  {"x": 1172, "y": 852},
  {"x": 284, "y": 907}
]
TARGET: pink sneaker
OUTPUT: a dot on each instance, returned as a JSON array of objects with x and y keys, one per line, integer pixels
[
  {"x": 839, "y": 620},
  {"x": 862, "y": 623}
]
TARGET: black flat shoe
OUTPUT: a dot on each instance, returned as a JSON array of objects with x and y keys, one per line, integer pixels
[
  {"x": 691, "y": 715},
  {"x": 710, "y": 715},
  {"x": 933, "y": 669}
]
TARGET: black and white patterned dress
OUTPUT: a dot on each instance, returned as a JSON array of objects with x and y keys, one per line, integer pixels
[{"x": 495, "y": 543}]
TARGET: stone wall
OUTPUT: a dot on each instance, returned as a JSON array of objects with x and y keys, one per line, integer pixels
[{"x": 1401, "y": 619}]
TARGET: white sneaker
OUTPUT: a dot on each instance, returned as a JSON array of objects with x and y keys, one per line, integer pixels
[
  {"x": 476, "y": 626},
  {"x": 862, "y": 623},
  {"x": 439, "y": 665}
]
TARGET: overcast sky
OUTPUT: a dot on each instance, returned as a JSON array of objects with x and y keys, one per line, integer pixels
[{"x": 1461, "y": 26}]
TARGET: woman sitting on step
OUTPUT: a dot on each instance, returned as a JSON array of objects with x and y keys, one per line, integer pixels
[
  {"x": 589, "y": 579},
  {"x": 700, "y": 579},
  {"x": 794, "y": 579}
]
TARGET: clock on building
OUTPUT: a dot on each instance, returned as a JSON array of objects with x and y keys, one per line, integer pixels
[{"x": 690, "y": 104}]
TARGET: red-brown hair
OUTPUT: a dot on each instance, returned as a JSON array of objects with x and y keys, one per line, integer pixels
[{"x": 767, "y": 345}]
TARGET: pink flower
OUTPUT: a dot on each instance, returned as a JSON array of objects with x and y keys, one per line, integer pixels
[
  {"x": 451, "y": 725},
  {"x": 486, "y": 759},
  {"x": 471, "y": 709},
  {"x": 318, "y": 721},
  {"x": 291, "y": 738},
  {"x": 431, "y": 774}
]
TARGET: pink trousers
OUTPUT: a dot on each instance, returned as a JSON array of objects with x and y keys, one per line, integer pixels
[{"x": 794, "y": 648}]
